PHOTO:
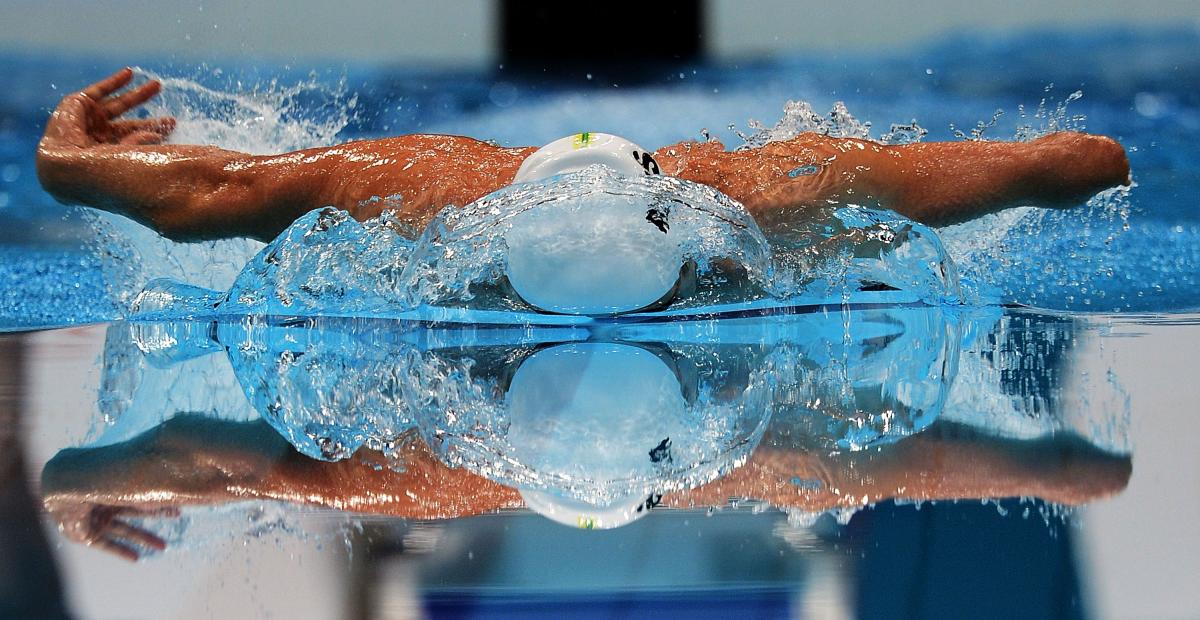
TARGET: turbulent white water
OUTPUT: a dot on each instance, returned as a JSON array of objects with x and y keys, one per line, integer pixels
[
  {"x": 989, "y": 248},
  {"x": 262, "y": 119},
  {"x": 535, "y": 409},
  {"x": 348, "y": 268},
  {"x": 327, "y": 263}
]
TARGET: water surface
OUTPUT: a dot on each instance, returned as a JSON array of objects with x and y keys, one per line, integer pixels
[{"x": 887, "y": 447}]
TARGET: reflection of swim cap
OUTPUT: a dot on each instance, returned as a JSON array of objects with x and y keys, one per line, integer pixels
[
  {"x": 598, "y": 418},
  {"x": 574, "y": 513},
  {"x": 602, "y": 253}
]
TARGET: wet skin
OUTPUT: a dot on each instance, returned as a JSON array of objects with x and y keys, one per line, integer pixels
[{"x": 90, "y": 156}]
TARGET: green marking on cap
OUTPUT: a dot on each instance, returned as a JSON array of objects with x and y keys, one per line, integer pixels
[{"x": 582, "y": 140}]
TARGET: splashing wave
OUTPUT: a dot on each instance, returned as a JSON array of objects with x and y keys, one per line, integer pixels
[{"x": 327, "y": 263}]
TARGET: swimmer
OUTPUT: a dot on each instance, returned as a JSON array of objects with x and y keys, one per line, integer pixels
[{"x": 90, "y": 156}]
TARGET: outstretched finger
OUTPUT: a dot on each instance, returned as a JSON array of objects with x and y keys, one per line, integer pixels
[
  {"x": 120, "y": 549},
  {"x": 156, "y": 511},
  {"x": 131, "y": 99},
  {"x": 145, "y": 538},
  {"x": 141, "y": 138},
  {"x": 161, "y": 126},
  {"x": 108, "y": 85}
]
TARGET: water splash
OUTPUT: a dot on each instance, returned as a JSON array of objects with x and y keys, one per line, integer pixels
[
  {"x": 1049, "y": 116},
  {"x": 261, "y": 118},
  {"x": 328, "y": 394},
  {"x": 1073, "y": 248},
  {"x": 991, "y": 252},
  {"x": 800, "y": 117},
  {"x": 331, "y": 386},
  {"x": 327, "y": 263},
  {"x": 992, "y": 248},
  {"x": 512, "y": 404}
]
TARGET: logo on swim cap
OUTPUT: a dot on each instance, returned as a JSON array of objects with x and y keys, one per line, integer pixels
[
  {"x": 586, "y": 149},
  {"x": 581, "y": 140},
  {"x": 658, "y": 216},
  {"x": 646, "y": 161}
]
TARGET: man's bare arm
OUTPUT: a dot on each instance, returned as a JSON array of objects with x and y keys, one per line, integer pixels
[
  {"x": 944, "y": 462},
  {"x": 90, "y": 157},
  {"x": 936, "y": 183}
]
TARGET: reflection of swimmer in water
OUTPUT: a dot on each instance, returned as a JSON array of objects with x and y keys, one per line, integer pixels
[
  {"x": 89, "y": 157},
  {"x": 92, "y": 492}
]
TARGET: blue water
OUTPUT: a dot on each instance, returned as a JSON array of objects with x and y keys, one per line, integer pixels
[
  {"x": 328, "y": 264},
  {"x": 535, "y": 409},
  {"x": 1135, "y": 254},
  {"x": 888, "y": 379}
]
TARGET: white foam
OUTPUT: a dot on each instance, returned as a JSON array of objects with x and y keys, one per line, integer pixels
[{"x": 596, "y": 254}]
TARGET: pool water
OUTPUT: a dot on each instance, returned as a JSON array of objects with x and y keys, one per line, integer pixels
[{"x": 887, "y": 444}]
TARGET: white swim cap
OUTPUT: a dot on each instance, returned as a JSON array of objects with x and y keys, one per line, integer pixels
[
  {"x": 602, "y": 253},
  {"x": 595, "y": 418},
  {"x": 585, "y": 149}
]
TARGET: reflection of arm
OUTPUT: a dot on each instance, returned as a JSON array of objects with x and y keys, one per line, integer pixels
[
  {"x": 943, "y": 463},
  {"x": 369, "y": 483},
  {"x": 192, "y": 460}
]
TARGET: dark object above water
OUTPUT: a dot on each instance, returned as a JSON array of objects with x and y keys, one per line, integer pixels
[{"x": 611, "y": 41}]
